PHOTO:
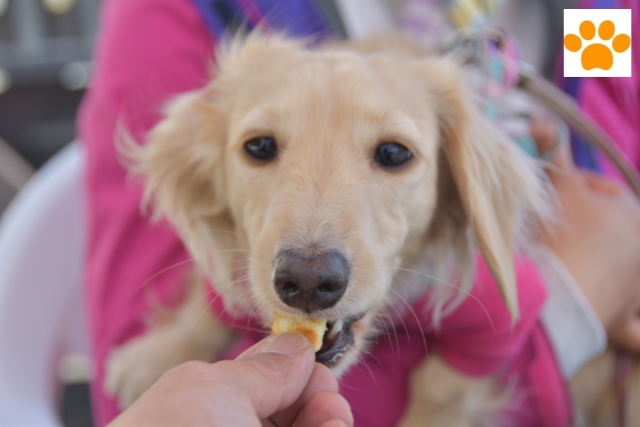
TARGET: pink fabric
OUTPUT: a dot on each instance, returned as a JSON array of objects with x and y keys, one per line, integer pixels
[
  {"x": 150, "y": 50},
  {"x": 479, "y": 339}
]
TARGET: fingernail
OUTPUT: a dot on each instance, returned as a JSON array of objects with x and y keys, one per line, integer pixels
[{"x": 289, "y": 344}]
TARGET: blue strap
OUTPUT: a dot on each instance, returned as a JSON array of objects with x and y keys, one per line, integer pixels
[{"x": 300, "y": 18}]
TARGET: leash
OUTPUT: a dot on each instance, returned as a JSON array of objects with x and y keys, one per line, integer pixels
[
  {"x": 495, "y": 52},
  {"x": 567, "y": 109}
]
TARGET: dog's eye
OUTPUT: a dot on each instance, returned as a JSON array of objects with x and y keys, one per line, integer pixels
[
  {"x": 262, "y": 147},
  {"x": 392, "y": 154}
]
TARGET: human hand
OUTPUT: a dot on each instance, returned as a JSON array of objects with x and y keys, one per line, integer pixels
[
  {"x": 274, "y": 383},
  {"x": 597, "y": 238}
]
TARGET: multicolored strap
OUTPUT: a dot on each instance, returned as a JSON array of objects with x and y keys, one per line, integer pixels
[{"x": 501, "y": 71}]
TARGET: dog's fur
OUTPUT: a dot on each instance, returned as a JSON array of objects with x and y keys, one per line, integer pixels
[{"x": 466, "y": 188}]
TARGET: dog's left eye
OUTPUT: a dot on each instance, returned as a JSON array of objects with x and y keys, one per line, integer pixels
[
  {"x": 392, "y": 154},
  {"x": 262, "y": 147}
]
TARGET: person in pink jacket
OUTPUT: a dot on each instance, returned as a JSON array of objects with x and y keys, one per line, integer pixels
[{"x": 151, "y": 50}]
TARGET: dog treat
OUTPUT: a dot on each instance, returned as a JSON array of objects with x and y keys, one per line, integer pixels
[{"x": 313, "y": 329}]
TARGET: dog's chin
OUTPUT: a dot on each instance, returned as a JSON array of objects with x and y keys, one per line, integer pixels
[{"x": 342, "y": 342}]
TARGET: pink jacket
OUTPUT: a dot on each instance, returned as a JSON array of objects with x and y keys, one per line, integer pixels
[{"x": 150, "y": 50}]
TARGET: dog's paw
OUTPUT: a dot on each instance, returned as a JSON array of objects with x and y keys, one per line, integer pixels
[{"x": 134, "y": 367}]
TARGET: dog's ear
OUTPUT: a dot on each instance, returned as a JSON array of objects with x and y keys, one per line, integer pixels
[
  {"x": 182, "y": 167},
  {"x": 487, "y": 185},
  {"x": 183, "y": 161}
]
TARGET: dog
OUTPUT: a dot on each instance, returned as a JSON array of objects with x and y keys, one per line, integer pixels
[{"x": 323, "y": 172}]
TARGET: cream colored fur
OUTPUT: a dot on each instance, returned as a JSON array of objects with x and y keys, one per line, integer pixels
[
  {"x": 466, "y": 188},
  {"x": 441, "y": 396}
]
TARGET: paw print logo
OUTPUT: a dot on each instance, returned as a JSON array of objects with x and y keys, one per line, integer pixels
[
  {"x": 597, "y": 43},
  {"x": 597, "y": 55}
]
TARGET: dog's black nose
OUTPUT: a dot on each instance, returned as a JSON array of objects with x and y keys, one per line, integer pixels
[{"x": 311, "y": 283}]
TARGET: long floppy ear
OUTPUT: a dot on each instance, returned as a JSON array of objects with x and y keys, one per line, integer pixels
[
  {"x": 182, "y": 167},
  {"x": 486, "y": 183}
]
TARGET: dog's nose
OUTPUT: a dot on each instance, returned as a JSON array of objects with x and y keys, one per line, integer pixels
[{"x": 310, "y": 283}]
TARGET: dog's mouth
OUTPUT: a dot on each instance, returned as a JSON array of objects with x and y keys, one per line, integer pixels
[{"x": 337, "y": 340}]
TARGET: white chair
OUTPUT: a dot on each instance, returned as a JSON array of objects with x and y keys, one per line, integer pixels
[
  {"x": 41, "y": 305},
  {"x": 14, "y": 173}
]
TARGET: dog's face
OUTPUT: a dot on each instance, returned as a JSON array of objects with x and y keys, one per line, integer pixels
[{"x": 333, "y": 169}]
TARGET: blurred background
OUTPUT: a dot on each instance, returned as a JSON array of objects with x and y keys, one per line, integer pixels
[{"x": 45, "y": 63}]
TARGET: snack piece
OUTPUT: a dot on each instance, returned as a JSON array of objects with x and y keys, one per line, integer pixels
[{"x": 313, "y": 329}]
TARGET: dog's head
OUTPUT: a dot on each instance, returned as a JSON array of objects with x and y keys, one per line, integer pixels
[{"x": 332, "y": 169}]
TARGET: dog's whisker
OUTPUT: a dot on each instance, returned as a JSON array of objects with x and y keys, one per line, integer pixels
[
  {"x": 164, "y": 270},
  {"x": 233, "y": 320},
  {"x": 218, "y": 290},
  {"x": 396, "y": 310},
  {"x": 230, "y": 303},
  {"x": 424, "y": 338},
  {"x": 366, "y": 365},
  {"x": 219, "y": 294},
  {"x": 369, "y": 353},
  {"x": 343, "y": 385},
  {"x": 460, "y": 289},
  {"x": 218, "y": 230},
  {"x": 395, "y": 332},
  {"x": 246, "y": 328},
  {"x": 204, "y": 295},
  {"x": 207, "y": 308},
  {"x": 180, "y": 263},
  {"x": 243, "y": 267},
  {"x": 430, "y": 276},
  {"x": 254, "y": 310},
  {"x": 381, "y": 330}
]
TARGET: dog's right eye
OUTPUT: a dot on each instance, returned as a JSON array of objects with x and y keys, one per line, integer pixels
[
  {"x": 392, "y": 154},
  {"x": 261, "y": 148}
]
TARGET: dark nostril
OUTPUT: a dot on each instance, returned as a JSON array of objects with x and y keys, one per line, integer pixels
[
  {"x": 327, "y": 287},
  {"x": 310, "y": 283},
  {"x": 290, "y": 288}
]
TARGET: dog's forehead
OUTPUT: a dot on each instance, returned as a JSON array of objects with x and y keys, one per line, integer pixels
[
  {"x": 309, "y": 77},
  {"x": 334, "y": 90}
]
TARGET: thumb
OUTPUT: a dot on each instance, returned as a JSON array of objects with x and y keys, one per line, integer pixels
[
  {"x": 272, "y": 374},
  {"x": 551, "y": 141}
]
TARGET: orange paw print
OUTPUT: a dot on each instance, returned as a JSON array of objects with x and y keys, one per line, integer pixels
[{"x": 597, "y": 55}]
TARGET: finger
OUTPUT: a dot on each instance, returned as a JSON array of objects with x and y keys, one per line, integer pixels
[
  {"x": 273, "y": 377},
  {"x": 258, "y": 347},
  {"x": 322, "y": 380},
  {"x": 549, "y": 139},
  {"x": 325, "y": 407},
  {"x": 601, "y": 184}
]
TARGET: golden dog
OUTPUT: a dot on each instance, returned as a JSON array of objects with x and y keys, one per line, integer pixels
[{"x": 323, "y": 172}]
